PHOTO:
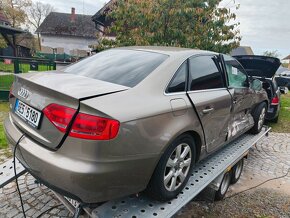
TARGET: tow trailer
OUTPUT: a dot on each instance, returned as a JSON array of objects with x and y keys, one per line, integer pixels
[{"x": 210, "y": 177}]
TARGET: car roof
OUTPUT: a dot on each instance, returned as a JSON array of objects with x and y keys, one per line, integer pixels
[{"x": 171, "y": 51}]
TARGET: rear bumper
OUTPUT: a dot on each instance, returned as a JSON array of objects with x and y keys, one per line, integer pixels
[
  {"x": 273, "y": 112},
  {"x": 81, "y": 178}
]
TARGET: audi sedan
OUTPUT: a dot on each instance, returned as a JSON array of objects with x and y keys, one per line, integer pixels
[{"x": 130, "y": 119}]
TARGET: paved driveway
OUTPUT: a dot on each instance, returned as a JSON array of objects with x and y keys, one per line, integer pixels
[{"x": 270, "y": 158}]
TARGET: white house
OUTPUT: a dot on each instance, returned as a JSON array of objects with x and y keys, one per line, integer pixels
[
  {"x": 68, "y": 33},
  {"x": 286, "y": 60}
]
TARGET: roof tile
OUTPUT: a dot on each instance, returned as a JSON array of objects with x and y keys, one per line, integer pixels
[{"x": 63, "y": 24}]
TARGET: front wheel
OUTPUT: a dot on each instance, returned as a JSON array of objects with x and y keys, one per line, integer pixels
[
  {"x": 173, "y": 169},
  {"x": 259, "y": 115}
]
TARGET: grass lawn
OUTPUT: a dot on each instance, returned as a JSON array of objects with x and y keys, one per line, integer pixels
[
  {"x": 4, "y": 108},
  {"x": 283, "y": 125},
  {"x": 23, "y": 67},
  {"x": 6, "y": 81}
]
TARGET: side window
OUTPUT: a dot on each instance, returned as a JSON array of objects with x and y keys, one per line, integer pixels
[
  {"x": 236, "y": 75},
  {"x": 205, "y": 74},
  {"x": 178, "y": 82}
]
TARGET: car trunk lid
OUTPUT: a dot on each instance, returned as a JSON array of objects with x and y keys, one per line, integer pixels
[
  {"x": 259, "y": 66},
  {"x": 38, "y": 90}
]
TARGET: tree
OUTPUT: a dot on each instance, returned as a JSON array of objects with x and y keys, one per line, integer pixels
[
  {"x": 15, "y": 11},
  {"x": 3, "y": 43},
  {"x": 273, "y": 54},
  {"x": 192, "y": 23},
  {"x": 36, "y": 13}
]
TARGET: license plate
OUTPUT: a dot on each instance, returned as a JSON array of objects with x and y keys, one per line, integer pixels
[
  {"x": 74, "y": 203},
  {"x": 27, "y": 113},
  {"x": 270, "y": 110}
]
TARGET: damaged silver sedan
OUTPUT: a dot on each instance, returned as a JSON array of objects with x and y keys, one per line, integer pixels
[{"x": 130, "y": 119}]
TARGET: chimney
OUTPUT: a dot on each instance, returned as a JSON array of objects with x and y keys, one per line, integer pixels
[{"x": 73, "y": 15}]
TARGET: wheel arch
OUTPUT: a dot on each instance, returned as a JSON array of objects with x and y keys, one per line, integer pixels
[
  {"x": 257, "y": 105},
  {"x": 197, "y": 142},
  {"x": 267, "y": 103}
]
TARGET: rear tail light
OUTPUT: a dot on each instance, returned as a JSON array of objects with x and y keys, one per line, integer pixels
[
  {"x": 85, "y": 126},
  {"x": 59, "y": 115},
  {"x": 92, "y": 127},
  {"x": 275, "y": 101}
]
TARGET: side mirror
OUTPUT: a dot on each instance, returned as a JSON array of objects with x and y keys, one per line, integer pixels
[
  {"x": 256, "y": 85},
  {"x": 283, "y": 90}
]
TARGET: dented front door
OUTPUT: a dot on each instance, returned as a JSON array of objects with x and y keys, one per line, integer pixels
[{"x": 242, "y": 98}]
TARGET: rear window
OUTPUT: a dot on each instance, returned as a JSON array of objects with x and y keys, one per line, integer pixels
[{"x": 123, "y": 67}]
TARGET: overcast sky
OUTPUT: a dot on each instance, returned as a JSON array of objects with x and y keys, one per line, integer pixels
[{"x": 264, "y": 23}]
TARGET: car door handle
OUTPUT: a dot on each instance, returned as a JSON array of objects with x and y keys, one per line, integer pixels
[{"x": 208, "y": 110}]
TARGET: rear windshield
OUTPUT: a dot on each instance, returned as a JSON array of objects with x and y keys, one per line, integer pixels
[{"x": 123, "y": 67}]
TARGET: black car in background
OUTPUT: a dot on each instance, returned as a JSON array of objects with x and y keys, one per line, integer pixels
[
  {"x": 283, "y": 80},
  {"x": 264, "y": 69}
]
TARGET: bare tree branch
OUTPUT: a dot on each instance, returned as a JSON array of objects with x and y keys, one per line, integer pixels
[{"x": 36, "y": 13}]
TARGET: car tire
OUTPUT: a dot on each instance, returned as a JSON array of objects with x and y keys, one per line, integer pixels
[
  {"x": 173, "y": 170},
  {"x": 259, "y": 115},
  {"x": 237, "y": 171},
  {"x": 224, "y": 186}
]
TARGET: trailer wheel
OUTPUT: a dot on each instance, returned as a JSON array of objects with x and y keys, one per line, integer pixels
[
  {"x": 237, "y": 171},
  {"x": 259, "y": 115},
  {"x": 224, "y": 186},
  {"x": 173, "y": 169}
]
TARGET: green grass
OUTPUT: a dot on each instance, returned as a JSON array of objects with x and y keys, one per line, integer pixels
[
  {"x": 283, "y": 125},
  {"x": 6, "y": 81},
  {"x": 4, "y": 108},
  {"x": 23, "y": 67},
  {"x": 6, "y": 67}
]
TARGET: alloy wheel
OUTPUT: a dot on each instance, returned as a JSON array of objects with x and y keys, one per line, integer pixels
[{"x": 177, "y": 167}]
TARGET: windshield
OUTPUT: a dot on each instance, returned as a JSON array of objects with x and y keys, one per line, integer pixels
[{"x": 119, "y": 66}]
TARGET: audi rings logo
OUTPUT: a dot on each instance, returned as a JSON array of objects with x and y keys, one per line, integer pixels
[{"x": 24, "y": 93}]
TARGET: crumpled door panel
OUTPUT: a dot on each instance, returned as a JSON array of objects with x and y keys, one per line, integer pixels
[{"x": 240, "y": 123}]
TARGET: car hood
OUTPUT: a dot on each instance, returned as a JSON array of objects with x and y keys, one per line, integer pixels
[{"x": 259, "y": 66}]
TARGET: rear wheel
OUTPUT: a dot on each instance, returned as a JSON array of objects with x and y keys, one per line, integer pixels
[
  {"x": 173, "y": 169},
  {"x": 237, "y": 171},
  {"x": 259, "y": 118},
  {"x": 224, "y": 186}
]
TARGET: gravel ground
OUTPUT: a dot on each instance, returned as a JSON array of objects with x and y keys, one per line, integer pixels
[
  {"x": 259, "y": 203},
  {"x": 269, "y": 159}
]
